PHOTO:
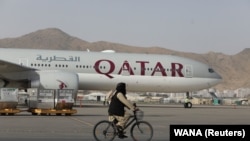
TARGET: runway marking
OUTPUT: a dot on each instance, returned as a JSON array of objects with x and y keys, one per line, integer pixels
[{"x": 81, "y": 121}]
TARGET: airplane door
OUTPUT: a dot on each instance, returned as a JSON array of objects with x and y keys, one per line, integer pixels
[
  {"x": 23, "y": 61},
  {"x": 188, "y": 71}
]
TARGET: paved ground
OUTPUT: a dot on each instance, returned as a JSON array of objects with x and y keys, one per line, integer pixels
[{"x": 78, "y": 127}]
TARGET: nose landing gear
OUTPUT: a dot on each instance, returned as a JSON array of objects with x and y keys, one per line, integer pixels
[{"x": 187, "y": 103}]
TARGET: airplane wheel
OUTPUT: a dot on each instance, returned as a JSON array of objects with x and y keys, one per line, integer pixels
[{"x": 188, "y": 105}]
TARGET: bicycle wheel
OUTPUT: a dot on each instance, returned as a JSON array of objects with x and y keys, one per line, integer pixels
[
  {"x": 141, "y": 131},
  {"x": 104, "y": 131}
]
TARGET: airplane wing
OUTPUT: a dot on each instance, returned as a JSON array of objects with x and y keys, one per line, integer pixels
[{"x": 6, "y": 67}]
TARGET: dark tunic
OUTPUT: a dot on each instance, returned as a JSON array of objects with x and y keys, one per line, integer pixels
[{"x": 116, "y": 107}]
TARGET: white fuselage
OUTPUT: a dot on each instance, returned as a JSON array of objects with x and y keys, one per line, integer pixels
[{"x": 102, "y": 71}]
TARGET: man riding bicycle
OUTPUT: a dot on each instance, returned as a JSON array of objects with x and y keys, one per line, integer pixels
[{"x": 117, "y": 108}]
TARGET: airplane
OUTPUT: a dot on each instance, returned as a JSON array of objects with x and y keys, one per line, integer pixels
[{"x": 86, "y": 70}]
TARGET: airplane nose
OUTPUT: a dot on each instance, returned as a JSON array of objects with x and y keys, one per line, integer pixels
[
  {"x": 215, "y": 77},
  {"x": 214, "y": 74},
  {"x": 218, "y": 76}
]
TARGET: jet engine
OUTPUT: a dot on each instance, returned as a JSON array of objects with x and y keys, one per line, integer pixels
[{"x": 55, "y": 80}]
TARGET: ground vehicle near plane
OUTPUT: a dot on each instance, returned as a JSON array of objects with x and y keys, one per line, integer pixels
[{"x": 140, "y": 130}]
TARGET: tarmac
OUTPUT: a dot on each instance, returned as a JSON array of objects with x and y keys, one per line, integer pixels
[{"x": 79, "y": 127}]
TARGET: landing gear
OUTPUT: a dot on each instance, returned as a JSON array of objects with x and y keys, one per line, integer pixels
[{"x": 187, "y": 103}]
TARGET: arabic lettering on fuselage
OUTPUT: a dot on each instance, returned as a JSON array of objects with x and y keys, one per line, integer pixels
[
  {"x": 176, "y": 68},
  {"x": 56, "y": 58}
]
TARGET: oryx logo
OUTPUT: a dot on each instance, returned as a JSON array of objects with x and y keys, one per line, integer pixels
[{"x": 62, "y": 85}]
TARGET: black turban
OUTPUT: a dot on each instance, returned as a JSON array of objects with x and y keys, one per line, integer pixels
[{"x": 121, "y": 87}]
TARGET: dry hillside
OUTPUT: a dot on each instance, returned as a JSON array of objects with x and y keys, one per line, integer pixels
[{"x": 233, "y": 68}]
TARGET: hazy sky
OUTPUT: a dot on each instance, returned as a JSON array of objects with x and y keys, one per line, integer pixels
[{"x": 198, "y": 26}]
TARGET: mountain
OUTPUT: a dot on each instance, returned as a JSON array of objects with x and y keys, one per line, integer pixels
[{"x": 234, "y": 69}]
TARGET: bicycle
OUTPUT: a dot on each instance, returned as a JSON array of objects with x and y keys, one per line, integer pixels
[{"x": 140, "y": 130}]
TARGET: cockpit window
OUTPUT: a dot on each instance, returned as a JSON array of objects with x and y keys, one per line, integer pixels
[{"x": 210, "y": 70}]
